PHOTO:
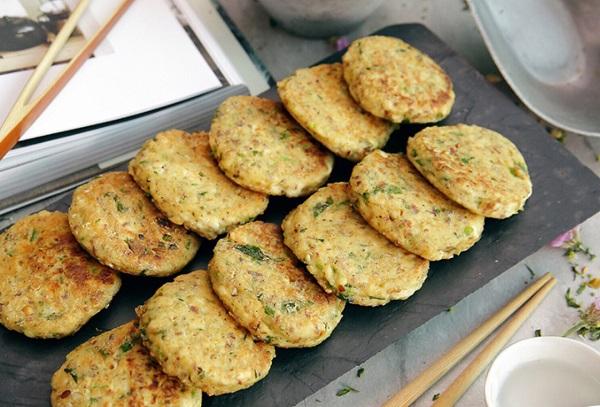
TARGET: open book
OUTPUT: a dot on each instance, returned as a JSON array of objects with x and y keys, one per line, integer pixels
[{"x": 167, "y": 63}]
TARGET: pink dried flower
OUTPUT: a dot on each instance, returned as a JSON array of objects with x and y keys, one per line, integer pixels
[
  {"x": 341, "y": 43},
  {"x": 563, "y": 238}
]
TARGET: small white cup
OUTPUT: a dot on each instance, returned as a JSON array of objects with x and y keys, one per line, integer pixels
[{"x": 544, "y": 371}]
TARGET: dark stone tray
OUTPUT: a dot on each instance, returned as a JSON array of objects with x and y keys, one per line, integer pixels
[{"x": 565, "y": 194}]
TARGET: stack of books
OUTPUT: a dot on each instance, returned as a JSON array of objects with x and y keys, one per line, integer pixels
[{"x": 167, "y": 64}]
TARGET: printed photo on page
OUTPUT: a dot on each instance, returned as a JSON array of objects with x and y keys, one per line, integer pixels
[{"x": 149, "y": 60}]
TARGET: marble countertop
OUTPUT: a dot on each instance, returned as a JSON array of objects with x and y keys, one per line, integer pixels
[{"x": 386, "y": 372}]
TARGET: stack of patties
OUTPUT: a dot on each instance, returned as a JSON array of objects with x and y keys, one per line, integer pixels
[
  {"x": 115, "y": 369},
  {"x": 190, "y": 334},
  {"x": 265, "y": 289},
  {"x": 115, "y": 222},
  {"x": 429, "y": 205},
  {"x": 352, "y": 109},
  {"x": 368, "y": 241},
  {"x": 184, "y": 343}
]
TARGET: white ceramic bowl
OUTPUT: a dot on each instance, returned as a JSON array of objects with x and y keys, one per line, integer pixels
[
  {"x": 320, "y": 18},
  {"x": 545, "y": 371}
]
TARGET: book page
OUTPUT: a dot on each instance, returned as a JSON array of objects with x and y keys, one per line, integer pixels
[{"x": 147, "y": 61}]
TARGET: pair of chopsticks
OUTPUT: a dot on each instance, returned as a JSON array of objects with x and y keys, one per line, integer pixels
[
  {"x": 23, "y": 113},
  {"x": 522, "y": 306}
]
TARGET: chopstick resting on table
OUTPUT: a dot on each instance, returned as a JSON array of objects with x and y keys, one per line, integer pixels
[
  {"x": 525, "y": 302},
  {"x": 23, "y": 114}
]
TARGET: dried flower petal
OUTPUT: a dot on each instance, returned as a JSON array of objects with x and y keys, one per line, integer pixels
[
  {"x": 341, "y": 43},
  {"x": 563, "y": 238}
]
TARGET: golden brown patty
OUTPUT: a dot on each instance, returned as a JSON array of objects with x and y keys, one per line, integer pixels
[
  {"x": 398, "y": 202},
  {"x": 115, "y": 222},
  {"x": 187, "y": 330},
  {"x": 49, "y": 286},
  {"x": 318, "y": 98},
  {"x": 263, "y": 287},
  {"x": 177, "y": 170},
  {"x": 259, "y": 146},
  {"x": 476, "y": 167},
  {"x": 346, "y": 255},
  {"x": 395, "y": 81},
  {"x": 114, "y": 370}
]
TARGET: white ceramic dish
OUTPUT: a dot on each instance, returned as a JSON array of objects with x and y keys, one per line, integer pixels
[
  {"x": 548, "y": 52},
  {"x": 545, "y": 372}
]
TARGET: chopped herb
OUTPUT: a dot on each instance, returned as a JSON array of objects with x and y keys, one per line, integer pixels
[
  {"x": 188, "y": 244},
  {"x": 450, "y": 309},
  {"x": 252, "y": 251},
  {"x": 377, "y": 189},
  {"x": 53, "y": 316},
  {"x": 104, "y": 352},
  {"x": 167, "y": 237},
  {"x": 365, "y": 196},
  {"x": 581, "y": 288},
  {"x": 360, "y": 371},
  {"x": 33, "y": 235},
  {"x": 344, "y": 292},
  {"x": 284, "y": 135},
  {"x": 127, "y": 345},
  {"x": 538, "y": 332},
  {"x": 120, "y": 206},
  {"x": 436, "y": 396},
  {"x": 393, "y": 189},
  {"x": 343, "y": 296},
  {"x": 413, "y": 152},
  {"x": 466, "y": 160},
  {"x": 321, "y": 206},
  {"x": 345, "y": 390},
  {"x": 575, "y": 246},
  {"x": 468, "y": 230},
  {"x": 558, "y": 134},
  {"x": 515, "y": 172},
  {"x": 531, "y": 272},
  {"x": 589, "y": 322},
  {"x": 72, "y": 373},
  {"x": 289, "y": 307},
  {"x": 269, "y": 311},
  {"x": 570, "y": 300}
]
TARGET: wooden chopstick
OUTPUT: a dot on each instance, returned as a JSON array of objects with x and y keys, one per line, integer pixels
[
  {"x": 413, "y": 390},
  {"x": 458, "y": 387},
  {"x": 46, "y": 62},
  {"x": 24, "y": 114}
]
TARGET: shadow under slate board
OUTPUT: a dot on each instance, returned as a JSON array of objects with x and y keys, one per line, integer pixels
[{"x": 565, "y": 194}]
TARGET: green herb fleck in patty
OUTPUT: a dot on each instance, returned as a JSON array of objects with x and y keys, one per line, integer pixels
[{"x": 321, "y": 206}]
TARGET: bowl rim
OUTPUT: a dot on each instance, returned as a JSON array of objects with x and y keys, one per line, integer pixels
[{"x": 581, "y": 346}]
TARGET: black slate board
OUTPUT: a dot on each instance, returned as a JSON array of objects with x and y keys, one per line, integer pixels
[{"x": 565, "y": 194}]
